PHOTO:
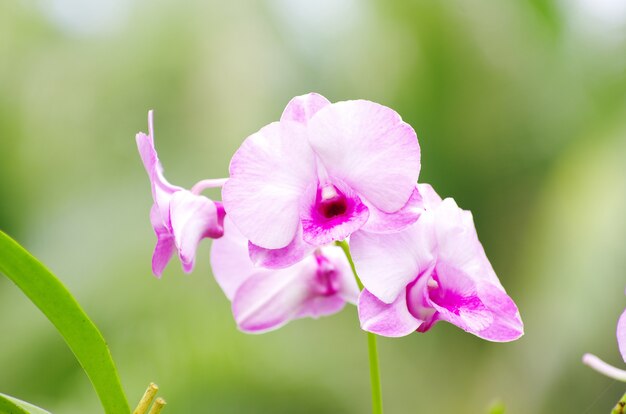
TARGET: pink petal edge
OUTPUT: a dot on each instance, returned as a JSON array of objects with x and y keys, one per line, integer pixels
[
  {"x": 392, "y": 320},
  {"x": 621, "y": 335},
  {"x": 295, "y": 251},
  {"x": 381, "y": 222},
  {"x": 302, "y": 108}
]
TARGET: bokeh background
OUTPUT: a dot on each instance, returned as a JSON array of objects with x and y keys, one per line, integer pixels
[{"x": 520, "y": 108}]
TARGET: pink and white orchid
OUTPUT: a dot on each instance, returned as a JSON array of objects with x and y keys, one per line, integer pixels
[
  {"x": 266, "y": 299},
  {"x": 434, "y": 270},
  {"x": 323, "y": 172},
  {"x": 601, "y": 366},
  {"x": 180, "y": 218}
]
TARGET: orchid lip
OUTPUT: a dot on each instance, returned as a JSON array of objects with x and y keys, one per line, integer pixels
[
  {"x": 332, "y": 211},
  {"x": 418, "y": 295},
  {"x": 331, "y": 202}
]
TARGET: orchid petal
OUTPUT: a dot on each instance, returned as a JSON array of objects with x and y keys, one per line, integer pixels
[
  {"x": 161, "y": 188},
  {"x": 302, "y": 108},
  {"x": 370, "y": 148},
  {"x": 165, "y": 246},
  {"x": 621, "y": 335},
  {"x": 193, "y": 218},
  {"x": 458, "y": 244},
  {"x": 387, "y": 263},
  {"x": 418, "y": 301},
  {"x": 507, "y": 324},
  {"x": 221, "y": 215},
  {"x": 348, "y": 288},
  {"x": 280, "y": 258},
  {"x": 475, "y": 306},
  {"x": 269, "y": 173},
  {"x": 472, "y": 296},
  {"x": 393, "y": 320},
  {"x": 381, "y": 222},
  {"x": 457, "y": 301},
  {"x": 317, "y": 306},
  {"x": 265, "y": 299},
  {"x": 229, "y": 259},
  {"x": 269, "y": 299},
  {"x": 430, "y": 198},
  {"x": 329, "y": 296}
]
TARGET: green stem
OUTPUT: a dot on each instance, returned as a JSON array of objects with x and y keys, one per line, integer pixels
[
  {"x": 377, "y": 396},
  {"x": 620, "y": 407}
]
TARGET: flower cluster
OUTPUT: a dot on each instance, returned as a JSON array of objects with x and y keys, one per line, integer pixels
[{"x": 327, "y": 173}]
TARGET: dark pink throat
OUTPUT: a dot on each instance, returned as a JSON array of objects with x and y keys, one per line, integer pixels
[{"x": 331, "y": 202}]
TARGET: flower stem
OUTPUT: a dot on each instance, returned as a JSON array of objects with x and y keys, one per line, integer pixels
[
  {"x": 377, "y": 396},
  {"x": 620, "y": 406}
]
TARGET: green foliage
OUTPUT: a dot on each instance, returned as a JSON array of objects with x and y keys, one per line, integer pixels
[
  {"x": 60, "y": 307},
  {"x": 11, "y": 405}
]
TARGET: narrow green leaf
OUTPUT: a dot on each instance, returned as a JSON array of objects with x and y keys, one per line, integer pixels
[
  {"x": 11, "y": 405},
  {"x": 8, "y": 406},
  {"x": 80, "y": 333}
]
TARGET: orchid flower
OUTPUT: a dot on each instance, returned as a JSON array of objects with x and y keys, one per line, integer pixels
[
  {"x": 324, "y": 171},
  {"x": 434, "y": 270},
  {"x": 604, "y": 368},
  {"x": 266, "y": 299},
  {"x": 180, "y": 218}
]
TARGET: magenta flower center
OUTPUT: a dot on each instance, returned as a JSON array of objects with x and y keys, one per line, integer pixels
[{"x": 331, "y": 202}]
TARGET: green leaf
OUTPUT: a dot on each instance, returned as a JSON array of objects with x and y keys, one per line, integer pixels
[
  {"x": 11, "y": 405},
  {"x": 60, "y": 307}
]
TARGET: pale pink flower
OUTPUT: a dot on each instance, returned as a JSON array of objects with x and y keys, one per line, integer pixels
[
  {"x": 434, "y": 270},
  {"x": 321, "y": 173},
  {"x": 266, "y": 299},
  {"x": 180, "y": 218}
]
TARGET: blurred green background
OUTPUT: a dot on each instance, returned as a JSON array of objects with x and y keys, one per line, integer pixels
[{"x": 520, "y": 107}]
